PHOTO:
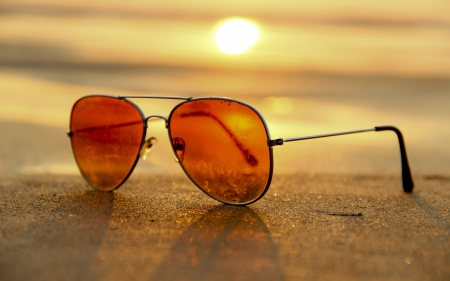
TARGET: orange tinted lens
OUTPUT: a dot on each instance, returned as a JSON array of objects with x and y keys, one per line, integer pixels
[
  {"x": 106, "y": 138},
  {"x": 222, "y": 145}
]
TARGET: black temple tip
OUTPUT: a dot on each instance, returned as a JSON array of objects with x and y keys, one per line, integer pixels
[{"x": 408, "y": 184}]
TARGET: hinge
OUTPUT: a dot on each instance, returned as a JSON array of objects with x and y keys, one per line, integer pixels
[{"x": 275, "y": 142}]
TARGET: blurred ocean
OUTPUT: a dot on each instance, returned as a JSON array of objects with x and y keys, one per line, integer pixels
[
  {"x": 405, "y": 38},
  {"x": 319, "y": 67}
]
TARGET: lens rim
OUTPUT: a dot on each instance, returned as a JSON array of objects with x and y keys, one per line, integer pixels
[
  {"x": 144, "y": 128},
  {"x": 269, "y": 179}
]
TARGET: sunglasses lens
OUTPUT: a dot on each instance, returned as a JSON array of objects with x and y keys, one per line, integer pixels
[
  {"x": 106, "y": 138},
  {"x": 222, "y": 146}
]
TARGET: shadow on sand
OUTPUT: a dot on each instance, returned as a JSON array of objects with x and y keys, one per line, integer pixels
[
  {"x": 226, "y": 243},
  {"x": 62, "y": 244}
]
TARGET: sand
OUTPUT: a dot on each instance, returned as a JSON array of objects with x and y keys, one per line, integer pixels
[{"x": 163, "y": 228}]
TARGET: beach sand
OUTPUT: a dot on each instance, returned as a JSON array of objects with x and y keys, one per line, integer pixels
[{"x": 322, "y": 227}]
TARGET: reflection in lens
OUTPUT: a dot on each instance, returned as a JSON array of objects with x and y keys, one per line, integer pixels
[
  {"x": 106, "y": 138},
  {"x": 179, "y": 147},
  {"x": 224, "y": 149}
]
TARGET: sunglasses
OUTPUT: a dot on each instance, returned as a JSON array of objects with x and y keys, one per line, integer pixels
[{"x": 223, "y": 145}]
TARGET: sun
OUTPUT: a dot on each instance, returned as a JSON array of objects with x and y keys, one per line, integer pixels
[{"x": 236, "y": 35}]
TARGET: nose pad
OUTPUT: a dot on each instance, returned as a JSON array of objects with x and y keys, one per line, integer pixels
[
  {"x": 179, "y": 147},
  {"x": 147, "y": 147}
]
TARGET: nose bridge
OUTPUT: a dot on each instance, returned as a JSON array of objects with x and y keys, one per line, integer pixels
[{"x": 166, "y": 120}]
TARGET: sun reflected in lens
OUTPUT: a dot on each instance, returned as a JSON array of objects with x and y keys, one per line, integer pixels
[{"x": 236, "y": 35}]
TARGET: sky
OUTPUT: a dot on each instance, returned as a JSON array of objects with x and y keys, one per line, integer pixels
[{"x": 402, "y": 38}]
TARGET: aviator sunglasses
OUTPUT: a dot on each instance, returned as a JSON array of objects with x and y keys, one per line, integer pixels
[{"x": 223, "y": 145}]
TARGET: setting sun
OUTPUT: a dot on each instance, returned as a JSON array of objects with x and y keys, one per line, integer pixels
[{"x": 235, "y": 36}]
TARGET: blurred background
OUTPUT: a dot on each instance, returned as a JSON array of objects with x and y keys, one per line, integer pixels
[{"x": 316, "y": 67}]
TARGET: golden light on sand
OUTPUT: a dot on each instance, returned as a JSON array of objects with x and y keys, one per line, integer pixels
[{"x": 236, "y": 35}]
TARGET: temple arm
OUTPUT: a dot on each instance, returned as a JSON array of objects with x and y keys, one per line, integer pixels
[{"x": 408, "y": 183}]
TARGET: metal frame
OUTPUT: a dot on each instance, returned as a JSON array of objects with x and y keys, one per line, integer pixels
[
  {"x": 154, "y": 97},
  {"x": 408, "y": 184}
]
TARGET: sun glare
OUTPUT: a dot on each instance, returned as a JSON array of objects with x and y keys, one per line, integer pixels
[{"x": 235, "y": 36}]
